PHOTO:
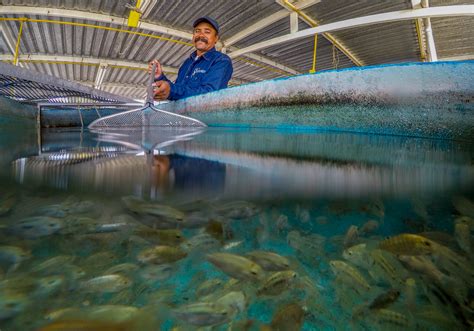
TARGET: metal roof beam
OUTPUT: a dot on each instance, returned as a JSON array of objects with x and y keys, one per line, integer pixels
[
  {"x": 432, "y": 54},
  {"x": 402, "y": 15},
  {"x": 84, "y": 60},
  {"x": 313, "y": 23},
  {"x": 263, "y": 23},
  {"x": 82, "y": 15},
  {"x": 9, "y": 40},
  {"x": 96, "y": 61}
]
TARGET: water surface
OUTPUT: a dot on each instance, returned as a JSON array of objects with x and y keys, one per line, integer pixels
[{"x": 125, "y": 226}]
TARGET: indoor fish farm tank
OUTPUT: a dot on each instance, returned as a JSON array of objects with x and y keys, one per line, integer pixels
[{"x": 235, "y": 229}]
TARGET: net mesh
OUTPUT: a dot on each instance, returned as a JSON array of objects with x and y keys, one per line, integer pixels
[{"x": 147, "y": 116}]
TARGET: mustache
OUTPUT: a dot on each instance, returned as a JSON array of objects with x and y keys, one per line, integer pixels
[{"x": 201, "y": 39}]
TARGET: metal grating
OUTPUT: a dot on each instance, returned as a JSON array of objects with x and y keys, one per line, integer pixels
[{"x": 27, "y": 86}]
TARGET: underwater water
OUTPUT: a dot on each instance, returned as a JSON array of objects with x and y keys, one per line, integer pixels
[{"x": 235, "y": 229}]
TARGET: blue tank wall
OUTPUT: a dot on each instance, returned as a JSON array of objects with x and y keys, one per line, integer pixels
[
  {"x": 414, "y": 99},
  {"x": 14, "y": 114}
]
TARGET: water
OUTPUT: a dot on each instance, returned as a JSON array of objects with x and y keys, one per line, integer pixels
[{"x": 82, "y": 213}]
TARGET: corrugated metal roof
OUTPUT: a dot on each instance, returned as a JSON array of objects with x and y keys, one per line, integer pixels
[{"x": 375, "y": 44}]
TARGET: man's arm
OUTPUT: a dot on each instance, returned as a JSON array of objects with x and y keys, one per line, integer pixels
[{"x": 218, "y": 75}]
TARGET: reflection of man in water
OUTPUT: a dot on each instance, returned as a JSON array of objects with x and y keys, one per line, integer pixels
[{"x": 189, "y": 174}]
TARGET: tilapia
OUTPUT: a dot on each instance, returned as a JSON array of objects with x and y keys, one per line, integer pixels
[
  {"x": 351, "y": 236},
  {"x": 234, "y": 302},
  {"x": 386, "y": 269},
  {"x": 385, "y": 299},
  {"x": 106, "y": 283},
  {"x": 462, "y": 233},
  {"x": 202, "y": 314},
  {"x": 7, "y": 201},
  {"x": 464, "y": 206},
  {"x": 208, "y": 286},
  {"x": 349, "y": 275},
  {"x": 168, "y": 237},
  {"x": 36, "y": 227},
  {"x": 161, "y": 254},
  {"x": 123, "y": 268},
  {"x": 12, "y": 256},
  {"x": 408, "y": 244},
  {"x": 156, "y": 272},
  {"x": 200, "y": 243},
  {"x": 369, "y": 227},
  {"x": 269, "y": 261},
  {"x": 12, "y": 303},
  {"x": 289, "y": 317},
  {"x": 390, "y": 320},
  {"x": 236, "y": 266},
  {"x": 140, "y": 206},
  {"x": 47, "y": 286},
  {"x": 277, "y": 282},
  {"x": 236, "y": 209},
  {"x": 53, "y": 264},
  {"x": 359, "y": 255}
]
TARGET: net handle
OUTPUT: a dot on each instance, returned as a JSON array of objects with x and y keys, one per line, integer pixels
[{"x": 149, "y": 91}]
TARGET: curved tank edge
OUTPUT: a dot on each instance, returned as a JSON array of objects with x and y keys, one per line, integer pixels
[{"x": 434, "y": 100}]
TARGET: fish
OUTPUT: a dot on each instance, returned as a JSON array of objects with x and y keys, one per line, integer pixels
[
  {"x": 123, "y": 268},
  {"x": 351, "y": 236},
  {"x": 462, "y": 233},
  {"x": 369, "y": 227},
  {"x": 36, "y": 227},
  {"x": 310, "y": 247},
  {"x": 236, "y": 209},
  {"x": 349, "y": 274},
  {"x": 269, "y": 261},
  {"x": 289, "y": 317},
  {"x": 7, "y": 202},
  {"x": 53, "y": 264},
  {"x": 464, "y": 206},
  {"x": 99, "y": 260},
  {"x": 277, "y": 282},
  {"x": 390, "y": 320},
  {"x": 169, "y": 237},
  {"x": 208, "y": 287},
  {"x": 236, "y": 266},
  {"x": 408, "y": 244},
  {"x": 12, "y": 303},
  {"x": 156, "y": 272},
  {"x": 359, "y": 255},
  {"x": 106, "y": 284},
  {"x": 385, "y": 299},
  {"x": 202, "y": 242},
  {"x": 12, "y": 256},
  {"x": 161, "y": 255},
  {"x": 49, "y": 285},
  {"x": 202, "y": 314},
  {"x": 140, "y": 206},
  {"x": 234, "y": 302},
  {"x": 386, "y": 268}
]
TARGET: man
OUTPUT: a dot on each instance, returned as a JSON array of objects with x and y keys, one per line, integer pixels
[{"x": 204, "y": 71}]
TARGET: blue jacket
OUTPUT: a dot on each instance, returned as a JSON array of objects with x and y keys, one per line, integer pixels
[{"x": 207, "y": 73}]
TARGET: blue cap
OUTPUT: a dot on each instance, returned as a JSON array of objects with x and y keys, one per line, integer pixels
[{"x": 209, "y": 20}]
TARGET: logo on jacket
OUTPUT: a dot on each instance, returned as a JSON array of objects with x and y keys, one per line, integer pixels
[{"x": 198, "y": 71}]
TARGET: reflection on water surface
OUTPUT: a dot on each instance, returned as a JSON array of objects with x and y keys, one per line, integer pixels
[{"x": 235, "y": 230}]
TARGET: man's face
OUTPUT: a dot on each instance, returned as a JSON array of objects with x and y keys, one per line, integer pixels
[{"x": 204, "y": 37}]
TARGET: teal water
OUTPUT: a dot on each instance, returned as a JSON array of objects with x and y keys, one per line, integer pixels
[{"x": 82, "y": 215}]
